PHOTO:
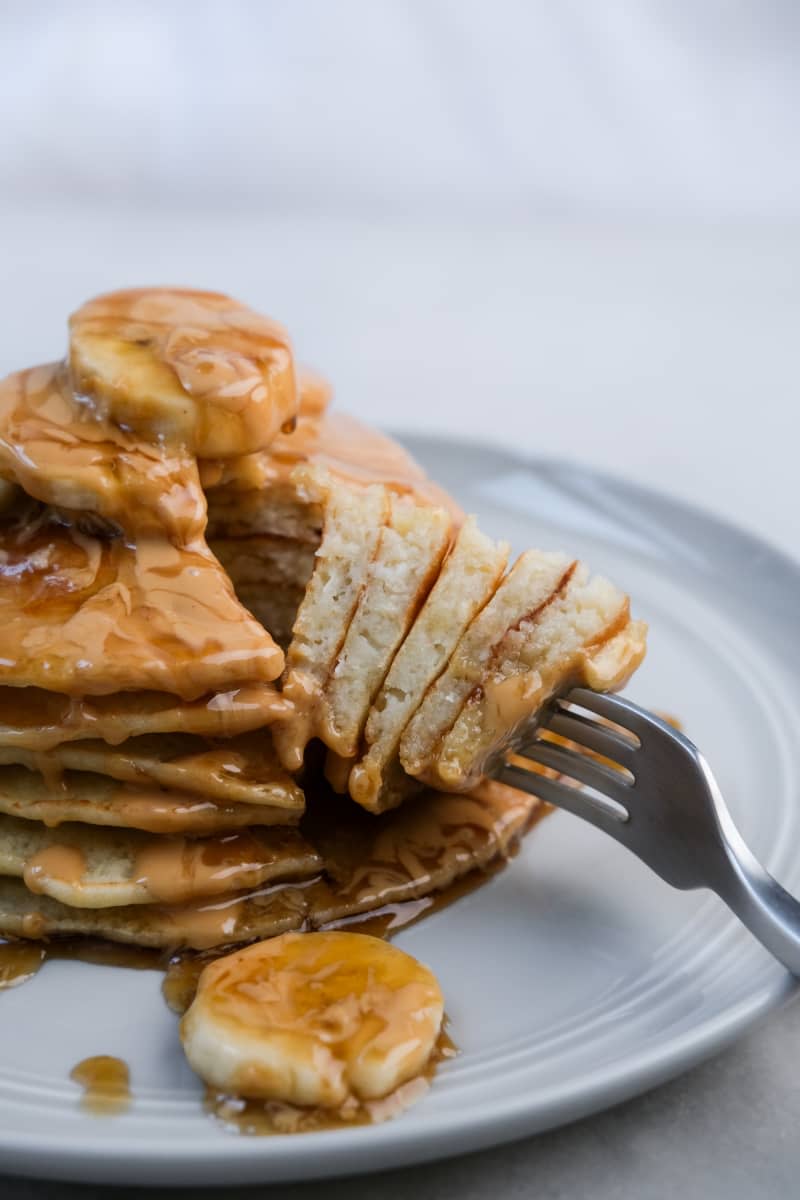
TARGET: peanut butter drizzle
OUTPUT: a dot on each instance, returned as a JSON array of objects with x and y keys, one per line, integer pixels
[
  {"x": 106, "y": 1085},
  {"x": 206, "y": 925},
  {"x": 58, "y": 862}
]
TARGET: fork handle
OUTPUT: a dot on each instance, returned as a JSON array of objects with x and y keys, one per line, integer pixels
[{"x": 770, "y": 913}]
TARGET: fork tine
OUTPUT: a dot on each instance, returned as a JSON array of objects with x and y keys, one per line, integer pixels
[
  {"x": 614, "y": 708},
  {"x": 578, "y": 766},
  {"x": 591, "y": 734},
  {"x": 570, "y": 799}
]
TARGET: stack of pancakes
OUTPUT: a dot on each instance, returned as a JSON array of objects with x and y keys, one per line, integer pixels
[{"x": 178, "y": 509}]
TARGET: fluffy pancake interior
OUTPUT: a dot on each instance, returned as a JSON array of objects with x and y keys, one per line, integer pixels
[
  {"x": 468, "y": 579},
  {"x": 353, "y": 524},
  {"x": 409, "y": 554},
  {"x": 531, "y": 582},
  {"x": 541, "y": 655}
]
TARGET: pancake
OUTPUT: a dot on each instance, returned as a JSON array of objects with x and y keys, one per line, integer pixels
[
  {"x": 353, "y": 524},
  {"x": 38, "y": 720},
  {"x": 413, "y": 851},
  {"x": 530, "y": 583},
  {"x": 199, "y": 926},
  {"x": 92, "y": 616},
  {"x": 238, "y": 769},
  {"x": 407, "y": 854},
  {"x": 96, "y": 800},
  {"x": 90, "y": 867},
  {"x": 409, "y": 554},
  {"x": 468, "y": 579}
]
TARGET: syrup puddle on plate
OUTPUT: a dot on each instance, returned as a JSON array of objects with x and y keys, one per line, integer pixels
[{"x": 106, "y": 1085}]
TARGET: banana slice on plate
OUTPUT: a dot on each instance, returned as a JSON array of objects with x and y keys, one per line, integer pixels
[{"x": 313, "y": 1019}]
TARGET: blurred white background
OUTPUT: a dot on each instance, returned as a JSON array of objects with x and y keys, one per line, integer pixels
[{"x": 571, "y": 228}]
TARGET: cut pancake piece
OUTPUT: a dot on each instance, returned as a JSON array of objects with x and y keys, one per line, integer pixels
[
  {"x": 199, "y": 926},
  {"x": 411, "y": 548},
  {"x": 354, "y": 520},
  {"x": 92, "y": 616},
  {"x": 467, "y": 581},
  {"x": 38, "y": 720},
  {"x": 584, "y": 636},
  {"x": 89, "y": 867},
  {"x": 241, "y": 769},
  {"x": 413, "y": 851},
  {"x": 533, "y": 581},
  {"x": 95, "y": 800}
]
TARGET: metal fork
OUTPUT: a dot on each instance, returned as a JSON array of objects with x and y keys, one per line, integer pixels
[{"x": 663, "y": 804}]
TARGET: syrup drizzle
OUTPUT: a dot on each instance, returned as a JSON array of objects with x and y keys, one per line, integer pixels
[{"x": 106, "y": 1084}]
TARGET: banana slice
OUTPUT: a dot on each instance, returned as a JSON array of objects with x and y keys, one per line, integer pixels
[
  {"x": 313, "y": 1019},
  {"x": 194, "y": 368}
]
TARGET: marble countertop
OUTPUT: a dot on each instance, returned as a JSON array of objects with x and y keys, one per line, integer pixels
[{"x": 666, "y": 355}]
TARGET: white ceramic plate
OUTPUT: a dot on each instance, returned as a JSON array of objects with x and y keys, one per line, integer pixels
[{"x": 574, "y": 979}]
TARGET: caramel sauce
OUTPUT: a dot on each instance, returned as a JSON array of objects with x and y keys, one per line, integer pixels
[
  {"x": 181, "y": 977},
  {"x": 106, "y": 1085},
  {"x": 19, "y": 962}
]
